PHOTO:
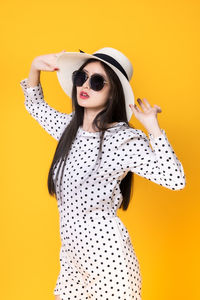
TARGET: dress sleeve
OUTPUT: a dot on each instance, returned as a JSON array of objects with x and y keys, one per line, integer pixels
[
  {"x": 159, "y": 164},
  {"x": 53, "y": 121}
]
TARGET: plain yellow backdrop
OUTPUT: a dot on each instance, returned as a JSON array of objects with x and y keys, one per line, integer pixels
[{"x": 161, "y": 38}]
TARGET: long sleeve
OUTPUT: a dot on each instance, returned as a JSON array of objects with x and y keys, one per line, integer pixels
[
  {"x": 159, "y": 164},
  {"x": 53, "y": 121}
]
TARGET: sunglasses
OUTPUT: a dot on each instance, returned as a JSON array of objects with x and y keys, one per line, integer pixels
[{"x": 96, "y": 81}]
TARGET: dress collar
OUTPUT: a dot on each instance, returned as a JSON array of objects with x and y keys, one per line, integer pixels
[{"x": 97, "y": 133}]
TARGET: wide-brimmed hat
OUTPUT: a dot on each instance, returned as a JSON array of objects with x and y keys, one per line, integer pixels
[{"x": 67, "y": 62}]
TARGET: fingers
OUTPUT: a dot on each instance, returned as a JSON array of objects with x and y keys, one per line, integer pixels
[
  {"x": 134, "y": 108},
  {"x": 60, "y": 52},
  {"x": 53, "y": 59},
  {"x": 51, "y": 67},
  {"x": 146, "y": 107},
  {"x": 147, "y": 103},
  {"x": 141, "y": 104},
  {"x": 55, "y": 68},
  {"x": 158, "y": 109},
  {"x": 57, "y": 54}
]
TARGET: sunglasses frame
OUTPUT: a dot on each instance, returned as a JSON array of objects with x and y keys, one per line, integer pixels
[{"x": 90, "y": 77}]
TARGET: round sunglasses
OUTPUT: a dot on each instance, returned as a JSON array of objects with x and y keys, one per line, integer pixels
[{"x": 96, "y": 81}]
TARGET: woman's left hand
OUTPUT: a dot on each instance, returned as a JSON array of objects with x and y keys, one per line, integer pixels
[{"x": 148, "y": 117}]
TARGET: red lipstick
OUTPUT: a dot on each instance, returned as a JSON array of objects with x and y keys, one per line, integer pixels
[{"x": 84, "y": 95}]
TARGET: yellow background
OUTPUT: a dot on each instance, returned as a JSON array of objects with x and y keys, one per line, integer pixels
[{"x": 161, "y": 38}]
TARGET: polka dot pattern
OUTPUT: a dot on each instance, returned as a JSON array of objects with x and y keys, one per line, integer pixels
[
  {"x": 53, "y": 121},
  {"x": 97, "y": 257}
]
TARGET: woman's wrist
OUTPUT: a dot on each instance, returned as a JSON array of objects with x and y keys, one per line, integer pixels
[
  {"x": 155, "y": 132},
  {"x": 153, "y": 128},
  {"x": 34, "y": 77}
]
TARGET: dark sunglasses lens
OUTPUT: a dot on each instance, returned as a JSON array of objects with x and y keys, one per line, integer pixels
[
  {"x": 78, "y": 78},
  {"x": 97, "y": 82}
]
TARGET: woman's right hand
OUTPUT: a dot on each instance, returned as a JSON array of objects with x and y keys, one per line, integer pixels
[{"x": 45, "y": 62}]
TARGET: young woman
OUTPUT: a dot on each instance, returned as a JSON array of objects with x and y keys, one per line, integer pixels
[{"x": 92, "y": 170}]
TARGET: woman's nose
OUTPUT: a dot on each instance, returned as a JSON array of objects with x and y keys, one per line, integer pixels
[{"x": 86, "y": 83}]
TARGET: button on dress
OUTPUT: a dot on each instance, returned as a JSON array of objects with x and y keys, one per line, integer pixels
[{"x": 97, "y": 257}]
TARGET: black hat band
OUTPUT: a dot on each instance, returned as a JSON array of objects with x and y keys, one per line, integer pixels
[{"x": 110, "y": 60}]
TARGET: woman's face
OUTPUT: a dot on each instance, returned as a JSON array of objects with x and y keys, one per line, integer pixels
[{"x": 97, "y": 99}]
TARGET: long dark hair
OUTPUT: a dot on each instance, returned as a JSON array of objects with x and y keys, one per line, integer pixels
[{"x": 113, "y": 112}]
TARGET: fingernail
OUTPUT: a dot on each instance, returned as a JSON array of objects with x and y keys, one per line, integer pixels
[{"x": 56, "y": 69}]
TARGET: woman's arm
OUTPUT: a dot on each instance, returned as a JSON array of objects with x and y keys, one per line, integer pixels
[
  {"x": 53, "y": 121},
  {"x": 159, "y": 164}
]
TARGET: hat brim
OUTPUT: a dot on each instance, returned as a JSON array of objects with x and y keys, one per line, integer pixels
[{"x": 68, "y": 62}]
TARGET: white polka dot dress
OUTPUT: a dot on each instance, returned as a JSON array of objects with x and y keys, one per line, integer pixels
[{"x": 97, "y": 258}]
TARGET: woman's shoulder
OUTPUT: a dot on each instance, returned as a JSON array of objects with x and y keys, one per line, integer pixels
[
  {"x": 123, "y": 133},
  {"x": 127, "y": 131}
]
